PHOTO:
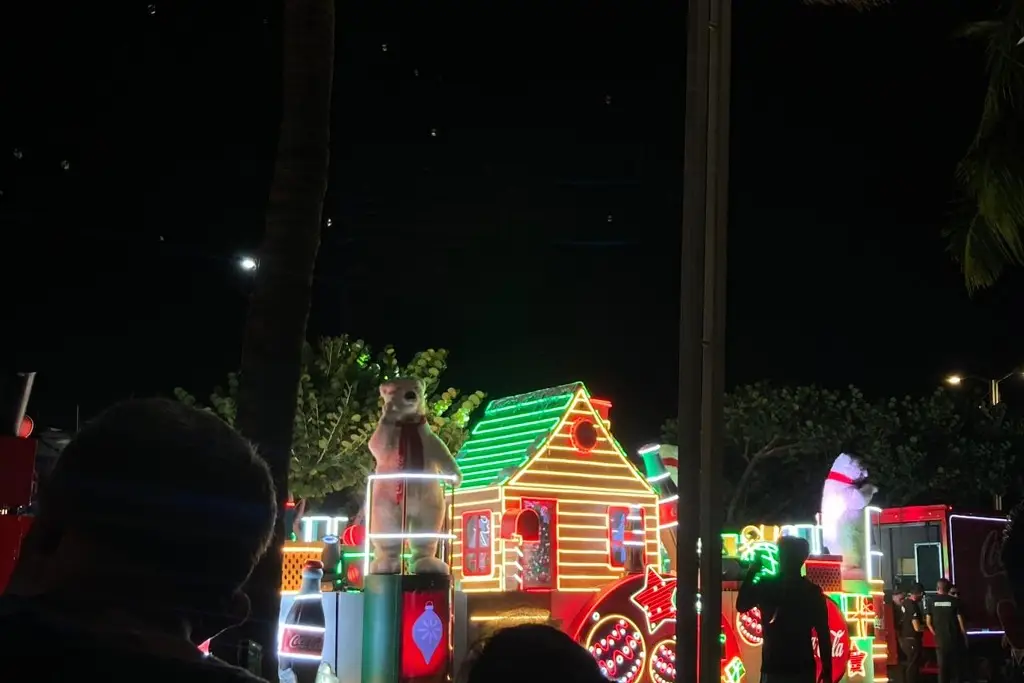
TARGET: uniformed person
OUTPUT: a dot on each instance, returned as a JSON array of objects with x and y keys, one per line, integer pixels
[
  {"x": 911, "y": 630},
  {"x": 946, "y": 622}
]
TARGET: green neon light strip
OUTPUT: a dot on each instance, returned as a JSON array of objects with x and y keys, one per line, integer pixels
[
  {"x": 471, "y": 447},
  {"x": 519, "y": 405},
  {"x": 547, "y": 422}
]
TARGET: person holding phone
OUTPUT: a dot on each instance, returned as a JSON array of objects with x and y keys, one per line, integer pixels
[{"x": 791, "y": 608}]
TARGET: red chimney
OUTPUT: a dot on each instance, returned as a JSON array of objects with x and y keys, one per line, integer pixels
[{"x": 602, "y": 407}]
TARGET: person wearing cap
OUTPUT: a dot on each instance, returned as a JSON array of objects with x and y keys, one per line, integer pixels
[
  {"x": 911, "y": 632},
  {"x": 946, "y": 622}
]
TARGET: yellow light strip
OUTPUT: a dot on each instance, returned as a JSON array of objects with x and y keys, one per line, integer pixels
[
  {"x": 587, "y": 463},
  {"x": 504, "y": 617},
  {"x": 469, "y": 504},
  {"x": 584, "y": 490},
  {"x": 594, "y": 451},
  {"x": 584, "y": 475}
]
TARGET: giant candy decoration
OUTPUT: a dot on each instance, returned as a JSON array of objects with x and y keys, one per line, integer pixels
[{"x": 407, "y": 506}]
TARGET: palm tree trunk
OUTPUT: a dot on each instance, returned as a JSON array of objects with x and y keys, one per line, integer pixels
[{"x": 279, "y": 307}]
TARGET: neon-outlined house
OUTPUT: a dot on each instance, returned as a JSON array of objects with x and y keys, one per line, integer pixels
[{"x": 549, "y": 499}]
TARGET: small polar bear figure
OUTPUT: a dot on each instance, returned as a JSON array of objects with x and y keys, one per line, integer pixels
[
  {"x": 404, "y": 442},
  {"x": 845, "y": 495}
]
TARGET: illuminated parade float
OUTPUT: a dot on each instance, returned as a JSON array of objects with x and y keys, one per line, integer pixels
[{"x": 551, "y": 522}]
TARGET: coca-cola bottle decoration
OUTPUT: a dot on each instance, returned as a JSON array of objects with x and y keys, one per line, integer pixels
[
  {"x": 302, "y": 634},
  {"x": 427, "y": 632}
]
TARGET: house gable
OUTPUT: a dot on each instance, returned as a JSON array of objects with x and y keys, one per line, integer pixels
[{"x": 565, "y": 461}]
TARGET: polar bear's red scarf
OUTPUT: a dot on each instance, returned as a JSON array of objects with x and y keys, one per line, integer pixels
[{"x": 410, "y": 452}]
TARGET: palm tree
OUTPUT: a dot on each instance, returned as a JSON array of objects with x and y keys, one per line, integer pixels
[
  {"x": 990, "y": 236},
  {"x": 992, "y": 171},
  {"x": 275, "y": 328}
]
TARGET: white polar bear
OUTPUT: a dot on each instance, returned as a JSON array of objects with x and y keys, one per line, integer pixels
[
  {"x": 845, "y": 495},
  {"x": 403, "y": 442}
]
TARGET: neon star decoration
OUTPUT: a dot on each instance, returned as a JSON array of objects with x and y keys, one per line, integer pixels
[
  {"x": 656, "y": 599},
  {"x": 855, "y": 667}
]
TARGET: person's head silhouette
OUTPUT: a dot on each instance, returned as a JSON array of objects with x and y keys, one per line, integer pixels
[
  {"x": 552, "y": 657},
  {"x": 154, "y": 509},
  {"x": 793, "y": 552}
]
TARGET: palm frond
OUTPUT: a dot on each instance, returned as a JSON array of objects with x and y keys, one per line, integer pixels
[{"x": 991, "y": 173}]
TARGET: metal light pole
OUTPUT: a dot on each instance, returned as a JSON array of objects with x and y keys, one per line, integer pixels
[
  {"x": 701, "y": 337},
  {"x": 995, "y": 398}
]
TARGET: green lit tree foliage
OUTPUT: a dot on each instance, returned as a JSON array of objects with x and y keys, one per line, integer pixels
[
  {"x": 338, "y": 406},
  {"x": 946, "y": 447}
]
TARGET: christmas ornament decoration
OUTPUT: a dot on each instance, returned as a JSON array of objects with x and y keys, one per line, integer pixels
[
  {"x": 749, "y": 627},
  {"x": 663, "y": 662},
  {"x": 427, "y": 632},
  {"x": 618, "y": 646}
]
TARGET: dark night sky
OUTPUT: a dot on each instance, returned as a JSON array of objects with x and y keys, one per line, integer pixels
[{"x": 492, "y": 238}]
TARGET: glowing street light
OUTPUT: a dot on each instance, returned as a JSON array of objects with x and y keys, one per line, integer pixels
[
  {"x": 248, "y": 264},
  {"x": 993, "y": 384}
]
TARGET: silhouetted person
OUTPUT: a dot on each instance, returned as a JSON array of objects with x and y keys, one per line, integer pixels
[
  {"x": 911, "y": 633},
  {"x": 791, "y": 608},
  {"x": 530, "y": 652},
  {"x": 149, "y": 524},
  {"x": 946, "y": 622}
]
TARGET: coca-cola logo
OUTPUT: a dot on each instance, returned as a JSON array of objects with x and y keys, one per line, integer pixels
[
  {"x": 303, "y": 642},
  {"x": 840, "y": 641},
  {"x": 991, "y": 559}
]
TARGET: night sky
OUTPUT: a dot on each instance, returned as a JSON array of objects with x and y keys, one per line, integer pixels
[{"x": 506, "y": 183}]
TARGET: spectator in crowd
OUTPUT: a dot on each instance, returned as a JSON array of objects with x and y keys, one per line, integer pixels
[
  {"x": 552, "y": 657},
  {"x": 791, "y": 608},
  {"x": 149, "y": 524}
]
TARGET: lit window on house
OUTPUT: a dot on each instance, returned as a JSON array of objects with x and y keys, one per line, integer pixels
[
  {"x": 626, "y": 534},
  {"x": 477, "y": 543}
]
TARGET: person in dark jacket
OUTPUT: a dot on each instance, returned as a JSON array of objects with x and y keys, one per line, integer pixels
[
  {"x": 151, "y": 521},
  {"x": 911, "y": 632},
  {"x": 946, "y": 622},
  {"x": 791, "y": 608}
]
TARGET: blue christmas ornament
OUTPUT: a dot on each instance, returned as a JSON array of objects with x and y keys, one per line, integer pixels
[{"x": 427, "y": 632}]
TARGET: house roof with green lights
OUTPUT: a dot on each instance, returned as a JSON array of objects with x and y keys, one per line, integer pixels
[{"x": 512, "y": 430}]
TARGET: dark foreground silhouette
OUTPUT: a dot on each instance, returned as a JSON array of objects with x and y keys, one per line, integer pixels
[
  {"x": 151, "y": 521},
  {"x": 530, "y": 652},
  {"x": 791, "y": 608}
]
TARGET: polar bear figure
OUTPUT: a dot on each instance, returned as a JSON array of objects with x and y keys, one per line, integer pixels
[
  {"x": 403, "y": 442},
  {"x": 845, "y": 495}
]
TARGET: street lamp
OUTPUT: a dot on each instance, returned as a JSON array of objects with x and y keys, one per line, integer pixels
[
  {"x": 994, "y": 397},
  {"x": 993, "y": 384}
]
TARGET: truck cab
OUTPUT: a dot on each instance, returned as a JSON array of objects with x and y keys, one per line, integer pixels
[{"x": 921, "y": 544}]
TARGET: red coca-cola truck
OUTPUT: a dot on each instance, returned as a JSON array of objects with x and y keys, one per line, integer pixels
[{"x": 927, "y": 542}]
